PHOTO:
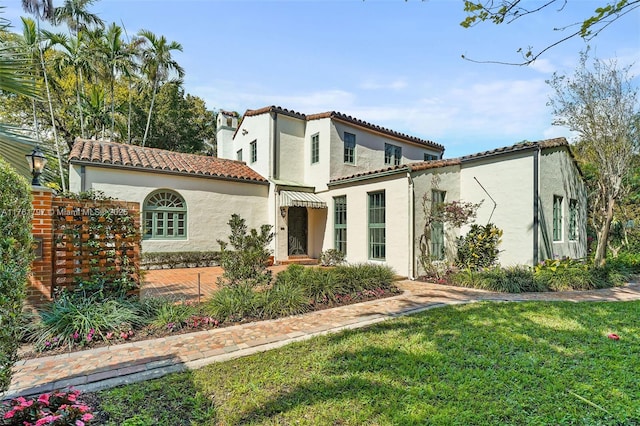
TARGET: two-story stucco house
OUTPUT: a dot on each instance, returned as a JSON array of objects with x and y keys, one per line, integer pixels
[{"x": 332, "y": 181}]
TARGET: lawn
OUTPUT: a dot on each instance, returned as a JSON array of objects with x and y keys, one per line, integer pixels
[{"x": 487, "y": 363}]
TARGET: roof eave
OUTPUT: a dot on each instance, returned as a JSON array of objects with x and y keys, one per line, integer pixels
[{"x": 165, "y": 171}]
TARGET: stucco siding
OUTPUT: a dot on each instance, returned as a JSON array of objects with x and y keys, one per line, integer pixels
[
  {"x": 444, "y": 179},
  {"x": 210, "y": 203},
  {"x": 290, "y": 149},
  {"x": 508, "y": 179},
  {"x": 397, "y": 213},
  {"x": 369, "y": 151},
  {"x": 317, "y": 174},
  {"x": 560, "y": 177},
  {"x": 255, "y": 128}
]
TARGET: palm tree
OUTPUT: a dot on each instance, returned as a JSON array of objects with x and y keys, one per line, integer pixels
[
  {"x": 44, "y": 9},
  {"x": 75, "y": 54},
  {"x": 75, "y": 14},
  {"x": 157, "y": 64},
  {"x": 119, "y": 60}
]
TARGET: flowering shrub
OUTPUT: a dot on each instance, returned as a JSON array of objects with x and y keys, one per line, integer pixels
[{"x": 59, "y": 408}]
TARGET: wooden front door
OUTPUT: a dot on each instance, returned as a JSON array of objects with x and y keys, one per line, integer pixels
[{"x": 297, "y": 231}]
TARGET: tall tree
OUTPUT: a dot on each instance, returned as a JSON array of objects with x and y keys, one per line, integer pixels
[
  {"x": 43, "y": 9},
  {"x": 601, "y": 105},
  {"x": 157, "y": 65},
  {"x": 510, "y": 11}
]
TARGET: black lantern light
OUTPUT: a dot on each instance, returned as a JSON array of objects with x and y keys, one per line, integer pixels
[{"x": 36, "y": 161}]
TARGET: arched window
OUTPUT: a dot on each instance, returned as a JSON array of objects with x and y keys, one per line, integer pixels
[{"x": 165, "y": 215}]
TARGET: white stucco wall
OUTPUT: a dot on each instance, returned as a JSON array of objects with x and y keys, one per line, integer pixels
[
  {"x": 560, "y": 176},
  {"x": 210, "y": 202},
  {"x": 397, "y": 224},
  {"x": 317, "y": 175},
  {"x": 509, "y": 181},
  {"x": 369, "y": 151},
  {"x": 443, "y": 179},
  {"x": 290, "y": 149},
  {"x": 255, "y": 128}
]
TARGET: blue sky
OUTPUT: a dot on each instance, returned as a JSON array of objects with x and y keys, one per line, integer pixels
[{"x": 393, "y": 63}]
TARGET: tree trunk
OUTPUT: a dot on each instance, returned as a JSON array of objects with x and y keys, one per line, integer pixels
[
  {"x": 603, "y": 235},
  {"x": 146, "y": 130}
]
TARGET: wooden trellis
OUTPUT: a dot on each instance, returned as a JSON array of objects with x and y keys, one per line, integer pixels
[{"x": 96, "y": 240}]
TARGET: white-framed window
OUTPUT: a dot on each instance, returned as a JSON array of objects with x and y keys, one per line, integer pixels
[
  {"x": 315, "y": 148},
  {"x": 165, "y": 215},
  {"x": 239, "y": 155},
  {"x": 349, "y": 148},
  {"x": 392, "y": 154},
  {"x": 557, "y": 218}
]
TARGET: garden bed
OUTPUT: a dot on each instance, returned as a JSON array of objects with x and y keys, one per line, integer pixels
[{"x": 297, "y": 291}]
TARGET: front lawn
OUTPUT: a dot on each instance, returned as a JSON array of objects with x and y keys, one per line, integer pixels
[{"x": 486, "y": 363}]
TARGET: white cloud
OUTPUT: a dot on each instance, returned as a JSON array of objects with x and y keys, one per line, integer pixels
[
  {"x": 376, "y": 84},
  {"x": 543, "y": 65}
]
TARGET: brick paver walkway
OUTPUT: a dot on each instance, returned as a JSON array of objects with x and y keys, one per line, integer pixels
[{"x": 119, "y": 364}]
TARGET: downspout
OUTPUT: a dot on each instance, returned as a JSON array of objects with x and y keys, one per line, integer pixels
[
  {"x": 83, "y": 179},
  {"x": 536, "y": 196},
  {"x": 412, "y": 228},
  {"x": 274, "y": 164}
]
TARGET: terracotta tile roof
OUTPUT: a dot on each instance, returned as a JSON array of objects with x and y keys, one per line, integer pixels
[
  {"x": 115, "y": 154},
  {"x": 345, "y": 118},
  {"x": 434, "y": 164}
]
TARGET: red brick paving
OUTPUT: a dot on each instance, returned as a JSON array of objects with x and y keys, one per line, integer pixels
[{"x": 118, "y": 364}]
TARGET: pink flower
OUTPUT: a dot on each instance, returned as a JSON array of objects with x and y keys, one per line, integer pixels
[
  {"x": 110, "y": 335},
  {"x": 47, "y": 420},
  {"x": 9, "y": 414},
  {"x": 79, "y": 423},
  {"x": 72, "y": 397},
  {"x": 87, "y": 416},
  {"x": 44, "y": 399},
  {"x": 82, "y": 408},
  {"x": 26, "y": 404}
]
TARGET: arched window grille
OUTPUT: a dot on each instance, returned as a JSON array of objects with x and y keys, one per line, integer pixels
[{"x": 165, "y": 215}]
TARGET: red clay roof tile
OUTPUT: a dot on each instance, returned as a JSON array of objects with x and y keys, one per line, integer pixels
[{"x": 150, "y": 159}]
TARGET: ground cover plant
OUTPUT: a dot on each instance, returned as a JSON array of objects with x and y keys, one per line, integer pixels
[
  {"x": 488, "y": 363},
  {"x": 80, "y": 319}
]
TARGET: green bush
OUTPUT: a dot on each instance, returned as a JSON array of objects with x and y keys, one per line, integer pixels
[
  {"x": 172, "y": 316},
  {"x": 515, "y": 279},
  {"x": 331, "y": 257},
  {"x": 246, "y": 264},
  {"x": 185, "y": 259},
  {"x": 626, "y": 262},
  {"x": 364, "y": 276},
  {"x": 78, "y": 321},
  {"x": 234, "y": 303},
  {"x": 15, "y": 260},
  {"x": 479, "y": 248},
  {"x": 282, "y": 299},
  {"x": 323, "y": 285}
]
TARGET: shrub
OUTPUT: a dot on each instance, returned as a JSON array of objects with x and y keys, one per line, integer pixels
[
  {"x": 365, "y": 276},
  {"x": 78, "y": 321},
  {"x": 173, "y": 316},
  {"x": 185, "y": 259},
  {"x": 283, "y": 298},
  {"x": 234, "y": 303},
  {"x": 246, "y": 264},
  {"x": 55, "y": 408},
  {"x": 514, "y": 279},
  {"x": 479, "y": 248},
  {"x": 323, "y": 285},
  {"x": 15, "y": 260},
  {"x": 331, "y": 257}
]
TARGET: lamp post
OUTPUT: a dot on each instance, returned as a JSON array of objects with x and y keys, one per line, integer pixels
[{"x": 36, "y": 161}]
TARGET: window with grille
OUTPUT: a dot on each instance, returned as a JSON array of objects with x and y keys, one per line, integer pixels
[
  {"x": 165, "y": 216},
  {"x": 254, "y": 151},
  {"x": 377, "y": 226},
  {"x": 315, "y": 148},
  {"x": 437, "y": 228},
  {"x": 349, "y": 148},
  {"x": 573, "y": 220},
  {"x": 340, "y": 223},
  {"x": 392, "y": 154},
  {"x": 557, "y": 218}
]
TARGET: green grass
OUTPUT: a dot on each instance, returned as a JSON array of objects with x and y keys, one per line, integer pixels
[{"x": 488, "y": 363}]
